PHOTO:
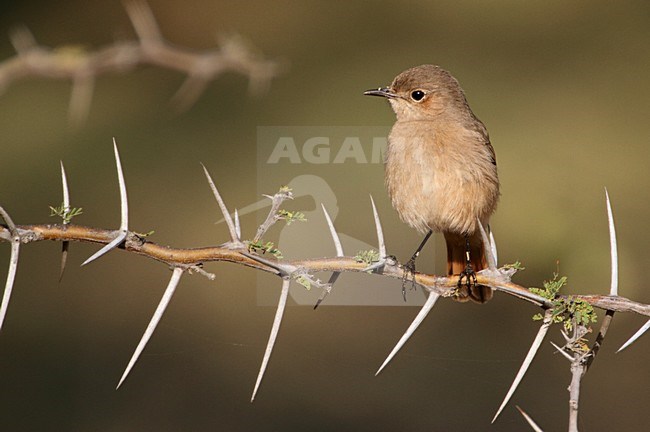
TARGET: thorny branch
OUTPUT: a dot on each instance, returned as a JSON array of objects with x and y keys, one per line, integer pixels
[
  {"x": 82, "y": 67},
  {"x": 442, "y": 285},
  {"x": 240, "y": 252}
]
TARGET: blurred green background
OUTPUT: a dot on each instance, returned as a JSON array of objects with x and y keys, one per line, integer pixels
[{"x": 563, "y": 88}]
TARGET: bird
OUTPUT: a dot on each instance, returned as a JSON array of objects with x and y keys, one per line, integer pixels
[{"x": 441, "y": 170}]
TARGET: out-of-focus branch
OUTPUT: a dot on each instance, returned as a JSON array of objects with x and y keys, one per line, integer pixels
[{"x": 82, "y": 67}]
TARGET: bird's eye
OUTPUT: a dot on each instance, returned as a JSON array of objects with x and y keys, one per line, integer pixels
[{"x": 417, "y": 95}]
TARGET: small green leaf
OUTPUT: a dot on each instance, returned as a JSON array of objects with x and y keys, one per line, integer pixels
[
  {"x": 65, "y": 213},
  {"x": 304, "y": 281},
  {"x": 291, "y": 217},
  {"x": 367, "y": 256},
  {"x": 567, "y": 310},
  {"x": 267, "y": 247},
  {"x": 515, "y": 265},
  {"x": 144, "y": 235}
]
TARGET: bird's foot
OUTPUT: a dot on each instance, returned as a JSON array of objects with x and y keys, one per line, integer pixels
[
  {"x": 466, "y": 283},
  {"x": 469, "y": 275},
  {"x": 409, "y": 273}
]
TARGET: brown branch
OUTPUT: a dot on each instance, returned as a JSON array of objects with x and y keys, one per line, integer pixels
[{"x": 444, "y": 286}]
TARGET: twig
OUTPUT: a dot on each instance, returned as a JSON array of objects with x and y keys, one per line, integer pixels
[
  {"x": 577, "y": 370},
  {"x": 273, "y": 216}
]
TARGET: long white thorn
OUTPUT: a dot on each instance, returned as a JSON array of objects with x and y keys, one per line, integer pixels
[
  {"x": 566, "y": 336},
  {"x": 237, "y": 225},
  {"x": 380, "y": 240},
  {"x": 13, "y": 264},
  {"x": 339, "y": 252},
  {"x": 428, "y": 305},
  {"x": 636, "y": 335},
  {"x": 114, "y": 243},
  {"x": 124, "y": 204},
  {"x": 66, "y": 191},
  {"x": 283, "y": 269},
  {"x": 493, "y": 246},
  {"x": 487, "y": 247},
  {"x": 11, "y": 276},
  {"x": 155, "y": 319},
  {"x": 124, "y": 211},
  {"x": 380, "y": 232},
  {"x": 274, "y": 333},
  {"x": 530, "y": 421},
  {"x": 613, "y": 290},
  {"x": 66, "y": 208},
  {"x": 528, "y": 360},
  {"x": 231, "y": 225},
  {"x": 564, "y": 353},
  {"x": 330, "y": 284},
  {"x": 335, "y": 235}
]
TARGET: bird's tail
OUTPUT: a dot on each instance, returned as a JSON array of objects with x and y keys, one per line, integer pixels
[{"x": 457, "y": 262}]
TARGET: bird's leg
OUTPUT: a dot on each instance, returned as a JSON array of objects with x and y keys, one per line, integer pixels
[
  {"x": 468, "y": 274},
  {"x": 409, "y": 267}
]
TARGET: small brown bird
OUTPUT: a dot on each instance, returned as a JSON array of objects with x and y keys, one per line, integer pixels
[{"x": 441, "y": 171}]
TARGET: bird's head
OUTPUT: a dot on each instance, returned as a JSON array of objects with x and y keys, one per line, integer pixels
[{"x": 423, "y": 93}]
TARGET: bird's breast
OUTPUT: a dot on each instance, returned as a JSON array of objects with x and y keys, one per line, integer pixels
[{"x": 440, "y": 177}]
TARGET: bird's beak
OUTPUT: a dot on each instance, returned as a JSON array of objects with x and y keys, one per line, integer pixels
[{"x": 382, "y": 91}]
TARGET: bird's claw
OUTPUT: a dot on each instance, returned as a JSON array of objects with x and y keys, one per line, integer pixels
[
  {"x": 469, "y": 275},
  {"x": 409, "y": 270}
]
